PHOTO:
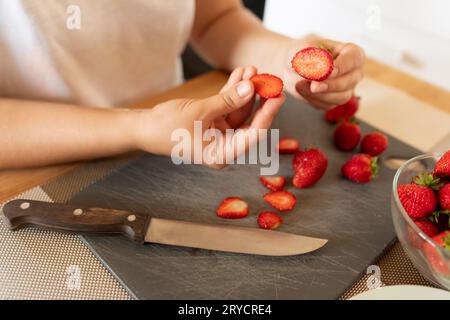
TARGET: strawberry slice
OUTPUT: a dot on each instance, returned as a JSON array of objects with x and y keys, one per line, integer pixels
[
  {"x": 273, "y": 183},
  {"x": 288, "y": 146},
  {"x": 313, "y": 63},
  {"x": 267, "y": 85},
  {"x": 269, "y": 220},
  {"x": 281, "y": 200},
  {"x": 233, "y": 208}
]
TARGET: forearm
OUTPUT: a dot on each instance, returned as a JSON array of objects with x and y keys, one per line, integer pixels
[
  {"x": 39, "y": 133},
  {"x": 237, "y": 38}
]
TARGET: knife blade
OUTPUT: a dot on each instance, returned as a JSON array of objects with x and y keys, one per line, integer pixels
[{"x": 142, "y": 228}]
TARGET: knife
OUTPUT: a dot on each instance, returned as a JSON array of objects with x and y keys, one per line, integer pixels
[{"x": 141, "y": 228}]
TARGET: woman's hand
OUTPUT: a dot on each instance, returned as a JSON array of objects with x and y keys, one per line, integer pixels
[
  {"x": 232, "y": 108},
  {"x": 340, "y": 86}
]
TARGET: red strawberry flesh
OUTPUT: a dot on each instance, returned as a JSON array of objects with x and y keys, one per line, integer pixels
[
  {"x": 267, "y": 85},
  {"x": 313, "y": 63},
  {"x": 269, "y": 220},
  {"x": 273, "y": 183},
  {"x": 233, "y": 208},
  {"x": 288, "y": 146},
  {"x": 281, "y": 200}
]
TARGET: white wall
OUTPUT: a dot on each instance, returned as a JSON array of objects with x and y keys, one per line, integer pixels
[{"x": 412, "y": 35}]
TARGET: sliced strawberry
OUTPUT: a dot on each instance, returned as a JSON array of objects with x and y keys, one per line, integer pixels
[
  {"x": 273, "y": 183},
  {"x": 344, "y": 112},
  {"x": 313, "y": 63},
  {"x": 347, "y": 136},
  {"x": 374, "y": 144},
  {"x": 281, "y": 200},
  {"x": 233, "y": 208},
  {"x": 267, "y": 85},
  {"x": 288, "y": 146},
  {"x": 269, "y": 220}
]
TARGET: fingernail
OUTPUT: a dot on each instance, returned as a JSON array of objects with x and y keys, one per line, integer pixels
[
  {"x": 243, "y": 90},
  {"x": 321, "y": 87}
]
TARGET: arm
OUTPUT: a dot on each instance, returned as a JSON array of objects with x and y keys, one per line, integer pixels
[
  {"x": 40, "y": 133},
  {"x": 37, "y": 133},
  {"x": 228, "y": 35}
]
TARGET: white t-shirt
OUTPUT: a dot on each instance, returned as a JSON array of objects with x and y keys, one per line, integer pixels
[{"x": 102, "y": 53}]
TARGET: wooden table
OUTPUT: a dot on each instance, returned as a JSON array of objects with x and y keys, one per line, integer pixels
[{"x": 14, "y": 182}]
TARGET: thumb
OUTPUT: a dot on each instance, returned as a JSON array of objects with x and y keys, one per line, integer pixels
[{"x": 228, "y": 101}]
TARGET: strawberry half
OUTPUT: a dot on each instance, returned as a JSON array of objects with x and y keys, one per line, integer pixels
[
  {"x": 442, "y": 167},
  {"x": 435, "y": 260},
  {"x": 444, "y": 197},
  {"x": 418, "y": 201},
  {"x": 344, "y": 112},
  {"x": 361, "y": 168},
  {"x": 269, "y": 220},
  {"x": 267, "y": 85},
  {"x": 233, "y": 208},
  {"x": 374, "y": 144},
  {"x": 347, "y": 136},
  {"x": 281, "y": 200},
  {"x": 288, "y": 146},
  {"x": 313, "y": 63},
  {"x": 309, "y": 167},
  {"x": 273, "y": 183}
]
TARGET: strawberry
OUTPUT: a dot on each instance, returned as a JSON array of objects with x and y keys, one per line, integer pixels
[
  {"x": 418, "y": 201},
  {"x": 288, "y": 146},
  {"x": 313, "y": 63},
  {"x": 347, "y": 136},
  {"x": 442, "y": 167},
  {"x": 281, "y": 200},
  {"x": 374, "y": 144},
  {"x": 269, "y": 220},
  {"x": 273, "y": 183},
  {"x": 233, "y": 208},
  {"x": 309, "y": 167},
  {"x": 444, "y": 197},
  {"x": 427, "y": 227},
  {"x": 436, "y": 261},
  {"x": 361, "y": 168},
  {"x": 267, "y": 85},
  {"x": 344, "y": 112}
]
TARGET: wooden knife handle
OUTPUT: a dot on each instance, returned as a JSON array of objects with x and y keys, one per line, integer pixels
[{"x": 76, "y": 219}]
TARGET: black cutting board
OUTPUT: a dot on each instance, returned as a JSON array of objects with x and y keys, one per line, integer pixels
[{"x": 355, "y": 218}]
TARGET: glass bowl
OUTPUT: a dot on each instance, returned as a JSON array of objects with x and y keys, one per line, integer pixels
[{"x": 431, "y": 260}]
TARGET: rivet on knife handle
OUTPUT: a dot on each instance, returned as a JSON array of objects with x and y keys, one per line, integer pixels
[{"x": 76, "y": 219}]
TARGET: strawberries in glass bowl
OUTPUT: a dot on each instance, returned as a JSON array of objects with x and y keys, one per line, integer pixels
[{"x": 420, "y": 215}]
